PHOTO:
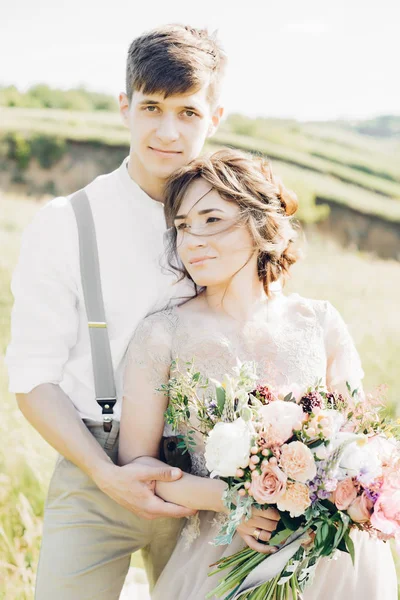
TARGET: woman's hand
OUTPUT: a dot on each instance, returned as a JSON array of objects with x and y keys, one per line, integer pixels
[{"x": 264, "y": 520}]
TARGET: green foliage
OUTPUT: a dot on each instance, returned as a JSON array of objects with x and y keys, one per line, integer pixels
[
  {"x": 182, "y": 391},
  {"x": 384, "y": 126},
  {"x": 43, "y": 96},
  {"x": 242, "y": 125},
  {"x": 18, "y": 149},
  {"x": 221, "y": 397},
  {"x": 47, "y": 149},
  {"x": 240, "y": 510},
  {"x": 11, "y": 96}
]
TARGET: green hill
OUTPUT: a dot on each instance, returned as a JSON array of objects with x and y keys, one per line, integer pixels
[{"x": 339, "y": 161}]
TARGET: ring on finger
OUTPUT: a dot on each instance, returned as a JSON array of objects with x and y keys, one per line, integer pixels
[{"x": 256, "y": 534}]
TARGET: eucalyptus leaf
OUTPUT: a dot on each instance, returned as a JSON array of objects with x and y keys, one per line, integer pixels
[
  {"x": 221, "y": 398},
  {"x": 350, "y": 546},
  {"x": 246, "y": 413},
  {"x": 341, "y": 530}
]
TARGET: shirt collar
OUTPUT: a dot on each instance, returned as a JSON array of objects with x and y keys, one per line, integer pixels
[{"x": 134, "y": 188}]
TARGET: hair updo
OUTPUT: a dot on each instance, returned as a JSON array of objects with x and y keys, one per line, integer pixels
[{"x": 266, "y": 206}]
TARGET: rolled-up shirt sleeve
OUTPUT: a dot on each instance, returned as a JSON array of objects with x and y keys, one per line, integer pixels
[{"x": 44, "y": 319}]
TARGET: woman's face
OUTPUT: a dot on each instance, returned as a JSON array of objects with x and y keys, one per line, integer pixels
[{"x": 212, "y": 242}]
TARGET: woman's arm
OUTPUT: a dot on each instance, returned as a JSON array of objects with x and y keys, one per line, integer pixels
[
  {"x": 199, "y": 493},
  {"x": 142, "y": 425},
  {"x": 142, "y": 418}
]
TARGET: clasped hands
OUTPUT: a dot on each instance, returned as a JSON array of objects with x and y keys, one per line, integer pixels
[{"x": 133, "y": 486}]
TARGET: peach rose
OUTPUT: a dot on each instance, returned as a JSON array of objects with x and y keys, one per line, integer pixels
[
  {"x": 268, "y": 487},
  {"x": 360, "y": 510},
  {"x": 345, "y": 494},
  {"x": 297, "y": 461},
  {"x": 295, "y": 500},
  {"x": 386, "y": 515}
]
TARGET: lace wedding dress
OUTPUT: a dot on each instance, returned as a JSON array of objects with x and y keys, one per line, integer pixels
[{"x": 298, "y": 342}]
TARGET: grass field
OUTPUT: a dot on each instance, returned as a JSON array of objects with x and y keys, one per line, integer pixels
[{"x": 363, "y": 288}]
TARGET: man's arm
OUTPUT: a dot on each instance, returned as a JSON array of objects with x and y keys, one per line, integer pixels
[
  {"x": 53, "y": 415},
  {"x": 44, "y": 329}
]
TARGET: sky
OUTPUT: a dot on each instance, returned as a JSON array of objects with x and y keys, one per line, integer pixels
[{"x": 302, "y": 59}]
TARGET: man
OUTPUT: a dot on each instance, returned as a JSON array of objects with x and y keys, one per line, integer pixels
[
  {"x": 98, "y": 513},
  {"x": 173, "y": 76}
]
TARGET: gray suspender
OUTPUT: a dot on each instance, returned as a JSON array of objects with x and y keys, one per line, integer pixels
[{"x": 91, "y": 283}]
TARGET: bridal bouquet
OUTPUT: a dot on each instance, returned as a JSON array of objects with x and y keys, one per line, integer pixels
[{"x": 329, "y": 463}]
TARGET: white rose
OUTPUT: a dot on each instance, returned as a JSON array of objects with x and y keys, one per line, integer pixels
[
  {"x": 336, "y": 421},
  {"x": 358, "y": 459},
  {"x": 282, "y": 416},
  {"x": 322, "y": 452},
  {"x": 228, "y": 448},
  {"x": 383, "y": 447}
]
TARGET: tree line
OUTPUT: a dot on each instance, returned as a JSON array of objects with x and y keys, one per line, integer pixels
[{"x": 43, "y": 96}]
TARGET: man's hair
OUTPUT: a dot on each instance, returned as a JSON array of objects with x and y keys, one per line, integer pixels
[{"x": 175, "y": 59}]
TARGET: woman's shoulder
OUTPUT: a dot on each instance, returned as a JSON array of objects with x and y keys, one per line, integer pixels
[
  {"x": 156, "y": 328},
  {"x": 319, "y": 309}
]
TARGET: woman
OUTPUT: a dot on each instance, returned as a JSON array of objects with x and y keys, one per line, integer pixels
[{"x": 233, "y": 236}]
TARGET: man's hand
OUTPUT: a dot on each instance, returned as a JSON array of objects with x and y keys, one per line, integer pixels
[
  {"x": 267, "y": 521},
  {"x": 132, "y": 486}
]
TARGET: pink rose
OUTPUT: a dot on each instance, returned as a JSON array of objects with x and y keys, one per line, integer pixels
[
  {"x": 345, "y": 494},
  {"x": 295, "y": 500},
  {"x": 386, "y": 515},
  {"x": 297, "y": 461},
  {"x": 280, "y": 418},
  {"x": 360, "y": 510},
  {"x": 269, "y": 486}
]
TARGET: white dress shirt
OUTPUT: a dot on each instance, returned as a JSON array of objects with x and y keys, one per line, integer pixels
[{"x": 49, "y": 332}]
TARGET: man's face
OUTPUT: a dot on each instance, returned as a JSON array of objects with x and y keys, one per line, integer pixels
[{"x": 167, "y": 133}]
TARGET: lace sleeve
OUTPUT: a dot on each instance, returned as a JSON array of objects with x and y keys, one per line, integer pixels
[
  {"x": 149, "y": 354},
  {"x": 146, "y": 369},
  {"x": 343, "y": 360}
]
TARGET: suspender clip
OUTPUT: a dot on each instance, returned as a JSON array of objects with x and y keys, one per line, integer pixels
[
  {"x": 107, "y": 409},
  {"x": 107, "y": 423}
]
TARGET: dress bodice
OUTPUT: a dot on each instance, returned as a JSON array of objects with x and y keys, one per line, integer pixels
[{"x": 297, "y": 342}]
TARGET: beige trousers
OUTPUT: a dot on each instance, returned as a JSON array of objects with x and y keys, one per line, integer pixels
[{"x": 88, "y": 538}]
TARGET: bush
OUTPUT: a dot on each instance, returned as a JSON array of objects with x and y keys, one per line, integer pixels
[
  {"x": 19, "y": 150},
  {"x": 47, "y": 150}
]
